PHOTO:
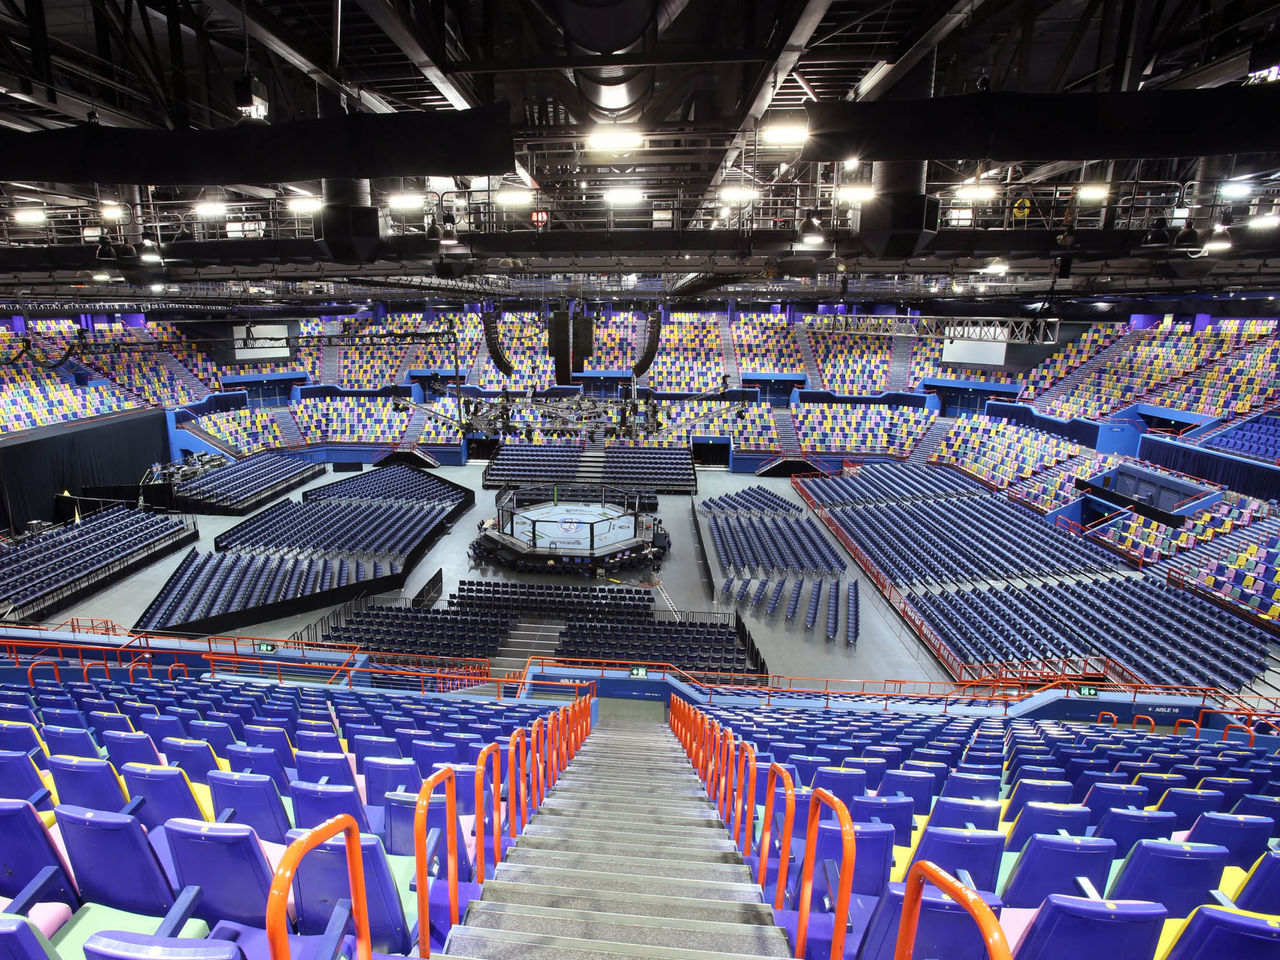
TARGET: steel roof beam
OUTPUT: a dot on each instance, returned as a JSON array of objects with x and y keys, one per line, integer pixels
[{"x": 946, "y": 20}]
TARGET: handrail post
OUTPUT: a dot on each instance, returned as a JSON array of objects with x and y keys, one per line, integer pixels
[
  {"x": 788, "y": 823},
  {"x": 31, "y": 671},
  {"x": 1142, "y": 716},
  {"x": 1237, "y": 726},
  {"x": 848, "y": 857},
  {"x": 445, "y": 775},
  {"x": 85, "y": 670},
  {"x": 1178, "y": 726},
  {"x": 482, "y": 761},
  {"x": 516, "y": 753},
  {"x": 277, "y": 920},
  {"x": 537, "y": 735},
  {"x": 727, "y": 790},
  {"x": 1107, "y": 713},
  {"x": 923, "y": 871}
]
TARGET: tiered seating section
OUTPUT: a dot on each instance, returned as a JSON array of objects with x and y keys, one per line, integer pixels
[
  {"x": 355, "y": 527},
  {"x": 436, "y": 431},
  {"x": 869, "y": 430},
  {"x": 438, "y": 354},
  {"x": 1234, "y": 386},
  {"x": 1144, "y": 364},
  {"x": 415, "y": 632},
  {"x": 1055, "y": 487},
  {"x": 1083, "y": 840},
  {"x": 32, "y": 396},
  {"x": 851, "y": 364},
  {"x": 1148, "y": 541},
  {"x": 664, "y": 469},
  {"x": 1258, "y": 438},
  {"x": 890, "y": 483},
  {"x": 766, "y": 343},
  {"x": 1247, "y": 578},
  {"x": 350, "y": 420},
  {"x": 1000, "y": 453},
  {"x": 749, "y": 426},
  {"x": 1071, "y": 357},
  {"x": 39, "y": 573},
  {"x": 368, "y": 366},
  {"x": 689, "y": 358},
  {"x": 145, "y": 374},
  {"x": 524, "y": 339},
  {"x": 246, "y": 430},
  {"x": 246, "y": 482},
  {"x": 521, "y": 463},
  {"x": 615, "y": 343},
  {"x": 394, "y": 483}
]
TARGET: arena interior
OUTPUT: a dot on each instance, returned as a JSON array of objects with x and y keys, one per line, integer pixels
[{"x": 680, "y": 479}]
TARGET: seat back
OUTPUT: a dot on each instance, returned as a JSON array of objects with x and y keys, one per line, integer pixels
[
  {"x": 314, "y": 803},
  {"x": 1186, "y": 804},
  {"x": 195, "y": 758},
  {"x": 123, "y": 747},
  {"x": 1178, "y": 875},
  {"x": 321, "y": 881},
  {"x": 225, "y": 860},
  {"x": 70, "y": 742},
  {"x": 971, "y": 786},
  {"x": 114, "y": 863},
  {"x": 961, "y": 812},
  {"x": 1106, "y": 796},
  {"x": 842, "y": 784},
  {"x": 254, "y": 798},
  {"x": 26, "y": 848},
  {"x": 19, "y": 778},
  {"x": 317, "y": 741},
  {"x": 401, "y": 810},
  {"x": 364, "y": 747},
  {"x": 273, "y": 738},
  {"x": 915, "y": 784},
  {"x": 383, "y": 775},
  {"x": 217, "y": 734},
  {"x": 21, "y": 939},
  {"x": 1117, "y": 930},
  {"x": 874, "y": 846},
  {"x": 953, "y": 849},
  {"x": 1047, "y": 818},
  {"x": 158, "y": 726},
  {"x": 1259, "y": 891},
  {"x": 314, "y": 767},
  {"x": 1245, "y": 837},
  {"x": 1050, "y": 864},
  {"x": 264, "y": 760},
  {"x": 1212, "y": 933},
  {"x": 945, "y": 929},
  {"x": 1032, "y": 790},
  {"x": 427, "y": 753},
  {"x": 1126, "y": 827},
  {"x": 166, "y": 792},
  {"x": 87, "y": 783}
]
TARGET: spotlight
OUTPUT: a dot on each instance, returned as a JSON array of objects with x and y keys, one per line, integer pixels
[
  {"x": 405, "y": 202},
  {"x": 304, "y": 204},
  {"x": 811, "y": 229},
  {"x": 102, "y": 276},
  {"x": 1236, "y": 190},
  {"x": 157, "y": 288},
  {"x": 1092, "y": 191},
  {"x": 614, "y": 138},
  {"x": 29, "y": 215},
  {"x": 433, "y": 230},
  {"x": 514, "y": 197},
  {"x": 856, "y": 193},
  {"x": 975, "y": 191},
  {"x": 996, "y": 268},
  {"x": 1157, "y": 234},
  {"x": 1187, "y": 236},
  {"x": 449, "y": 231},
  {"x": 619, "y": 196},
  {"x": 1267, "y": 221},
  {"x": 105, "y": 251},
  {"x": 150, "y": 255},
  {"x": 739, "y": 194},
  {"x": 1217, "y": 244},
  {"x": 210, "y": 209},
  {"x": 785, "y": 134},
  {"x": 113, "y": 211}
]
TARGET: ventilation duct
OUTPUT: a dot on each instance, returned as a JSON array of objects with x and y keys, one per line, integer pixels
[{"x": 601, "y": 27}]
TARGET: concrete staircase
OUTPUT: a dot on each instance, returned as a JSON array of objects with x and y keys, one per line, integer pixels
[
  {"x": 591, "y": 466},
  {"x": 527, "y": 638},
  {"x": 932, "y": 437},
  {"x": 416, "y": 422},
  {"x": 811, "y": 367},
  {"x": 784, "y": 425},
  {"x": 900, "y": 362},
  {"x": 289, "y": 431},
  {"x": 482, "y": 358},
  {"x": 181, "y": 372},
  {"x": 329, "y": 363},
  {"x": 626, "y": 858},
  {"x": 729, "y": 351}
]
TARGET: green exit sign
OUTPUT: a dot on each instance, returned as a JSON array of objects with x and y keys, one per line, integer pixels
[
  {"x": 1087, "y": 691},
  {"x": 266, "y": 648},
  {"x": 639, "y": 671}
]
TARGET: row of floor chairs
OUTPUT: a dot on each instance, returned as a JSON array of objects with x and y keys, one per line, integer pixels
[
  {"x": 373, "y": 527},
  {"x": 397, "y": 482},
  {"x": 658, "y": 468},
  {"x": 428, "y": 631},
  {"x": 713, "y": 647},
  {"x": 527, "y": 463},
  {"x": 246, "y": 480},
  {"x": 753, "y": 499},
  {"x": 890, "y": 483},
  {"x": 772, "y": 544},
  {"x": 552, "y": 600}
]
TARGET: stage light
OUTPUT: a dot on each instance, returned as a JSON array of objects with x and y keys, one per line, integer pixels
[
  {"x": 1236, "y": 190},
  {"x": 619, "y": 196},
  {"x": 210, "y": 209},
  {"x": 996, "y": 268},
  {"x": 785, "y": 134},
  {"x": 615, "y": 138},
  {"x": 449, "y": 231},
  {"x": 157, "y": 288},
  {"x": 151, "y": 255},
  {"x": 1267, "y": 221},
  {"x": 405, "y": 202},
  {"x": 515, "y": 197},
  {"x": 739, "y": 194},
  {"x": 856, "y": 193},
  {"x": 975, "y": 191},
  {"x": 1217, "y": 244},
  {"x": 29, "y": 215},
  {"x": 102, "y": 277},
  {"x": 811, "y": 229},
  {"x": 304, "y": 204},
  {"x": 1092, "y": 191},
  {"x": 113, "y": 211}
]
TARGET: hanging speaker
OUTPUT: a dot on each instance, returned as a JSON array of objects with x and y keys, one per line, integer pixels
[
  {"x": 493, "y": 340},
  {"x": 650, "y": 346},
  {"x": 584, "y": 335}
]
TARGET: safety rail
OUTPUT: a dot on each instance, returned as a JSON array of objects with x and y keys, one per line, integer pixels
[
  {"x": 491, "y": 750},
  {"x": 924, "y": 871},
  {"x": 446, "y": 776},
  {"x": 278, "y": 906},
  {"x": 333, "y": 675},
  {"x": 844, "y": 887},
  {"x": 1151, "y": 724},
  {"x": 1107, "y": 713},
  {"x": 1177, "y": 727},
  {"x": 516, "y": 753},
  {"x": 788, "y": 823},
  {"x": 31, "y": 671},
  {"x": 1226, "y": 731}
]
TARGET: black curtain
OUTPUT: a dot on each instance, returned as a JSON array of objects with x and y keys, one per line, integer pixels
[
  {"x": 38, "y": 465},
  {"x": 1255, "y": 479}
]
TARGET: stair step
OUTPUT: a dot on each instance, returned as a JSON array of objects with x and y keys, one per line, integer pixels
[
  {"x": 497, "y": 890},
  {"x": 669, "y": 796},
  {"x": 602, "y": 928},
  {"x": 687, "y": 807},
  {"x": 711, "y": 840},
  {"x": 600, "y": 882},
  {"x": 629, "y": 866},
  {"x": 625, "y": 848},
  {"x": 574, "y": 809},
  {"x": 513, "y": 945}
]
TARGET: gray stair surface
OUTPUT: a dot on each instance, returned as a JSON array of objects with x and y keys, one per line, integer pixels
[{"x": 625, "y": 859}]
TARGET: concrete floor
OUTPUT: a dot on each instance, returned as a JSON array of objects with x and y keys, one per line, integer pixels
[{"x": 886, "y": 649}]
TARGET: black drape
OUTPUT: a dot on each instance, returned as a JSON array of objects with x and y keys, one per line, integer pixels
[
  {"x": 1254, "y": 478},
  {"x": 37, "y": 465}
]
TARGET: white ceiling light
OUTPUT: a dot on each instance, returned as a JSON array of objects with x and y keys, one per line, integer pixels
[
  {"x": 856, "y": 193},
  {"x": 113, "y": 211},
  {"x": 1217, "y": 244},
  {"x": 975, "y": 191},
  {"x": 615, "y": 138},
  {"x": 624, "y": 195},
  {"x": 785, "y": 134},
  {"x": 515, "y": 197},
  {"x": 102, "y": 277},
  {"x": 29, "y": 215},
  {"x": 1092, "y": 191},
  {"x": 1265, "y": 222},
  {"x": 405, "y": 201},
  {"x": 210, "y": 209},
  {"x": 304, "y": 204},
  {"x": 996, "y": 268},
  {"x": 739, "y": 194},
  {"x": 1237, "y": 190},
  {"x": 157, "y": 288},
  {"x": 151, "y": 255}
]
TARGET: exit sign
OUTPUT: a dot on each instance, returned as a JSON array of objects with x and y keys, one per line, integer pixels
[
  {"x": 1087, "y": 691},
  {"x": 639, "y": 671},
  {"x": 266, "y": 648}
]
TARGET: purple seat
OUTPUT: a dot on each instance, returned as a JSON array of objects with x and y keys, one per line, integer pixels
[
  {"x": 25, "y": 850},
  {"x": 88, "y": 783},
  {"x": 114, "y": 863},
  {"x": 1260, "y": 806},
  {"x": 945, "y": 928},
  {"x": 314, "y": 803},
  {"x": 1028, "y": 791},
  {"x": 1127, "y": 827},
  {"x": 1212, "y": 933},
  {"x": 274, "y": 738},
  {"x": 125, "y": 748},
  {"x": 971, "y": 786},
  {"x": 960, "y": 812},
  {"x": 332, "y": 768},
  {"x": 909, "y": 783},
  {"x": 1260, "y": 891},
  {"x": 1178, "y": 875},
  {"x": 1050, "y": 865},
  {"x": 1106, "y": 796},
  {"x": 264, "y": 760},
  {"x": 226, "y": 862},
  {"x": 256, "y": 801},
  {"x": 1188, "y": 804},
  {"x": 1245, "y": 837},
  {"x": 1117, "y": 930},
  {"x": 976, "y": 851},
  {"x": 20, "y": 780},
  {"x": 70, "y": 742},
  {"x": 1047, "y": 818},
  {"x": 383, "y": 775}
]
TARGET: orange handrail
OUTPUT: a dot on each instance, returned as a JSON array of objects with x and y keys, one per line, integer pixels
[
  {"x": 1178, "y": 726},
  {"x": 1142, "y": 716},
  {"x": 516, "y": 753},
  {"x": 788, "y": 824},
  {"x": 140, "y": 663},
  {"x": 31, "y": 671},
  {"x": 177, "y": 663},
  {"x": 444, "y": 775},
  {"x": 537, "y": 737},
  {"x": 282, "y": 884},
  {"x": 1237, "y": 726},
  {"x": 1107, "y": 713},
  {"x": 923, "y": 871},
  {"x": 85, "y": 669},
  {"x": 730, "y": 752},
  {"x": 482, "y": 761},
  {"x": 747, "y": 779},
  {"x": 847, "y": 860}
]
